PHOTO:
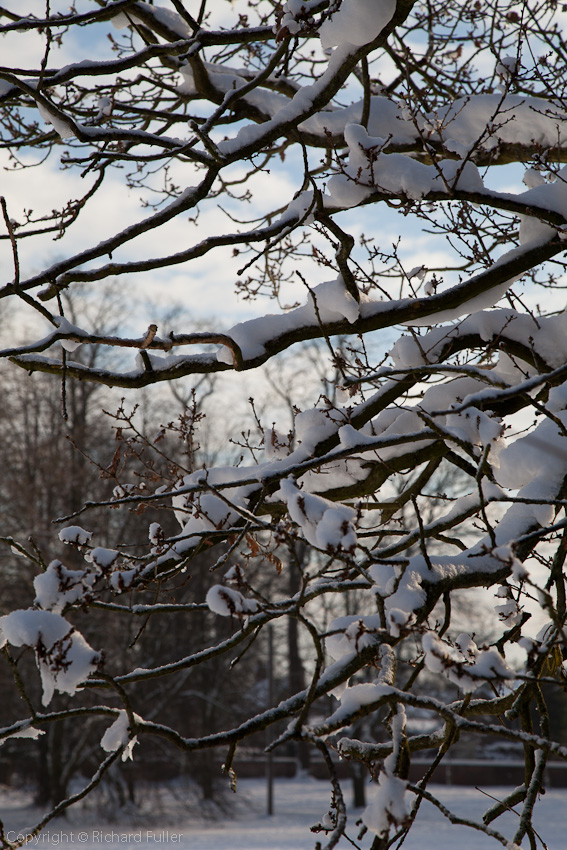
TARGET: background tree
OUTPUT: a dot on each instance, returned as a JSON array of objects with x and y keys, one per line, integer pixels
[
  {"x": 449, "y": 120},
  {"x": 52, "y": 461}
]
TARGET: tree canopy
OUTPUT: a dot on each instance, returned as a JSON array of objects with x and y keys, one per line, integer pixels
[{"x": 304, "y": 134}]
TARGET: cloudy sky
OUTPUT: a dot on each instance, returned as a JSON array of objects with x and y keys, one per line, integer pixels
[{"x": 204, "y": 288}]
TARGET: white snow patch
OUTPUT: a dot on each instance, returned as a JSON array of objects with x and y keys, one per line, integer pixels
[
  {"x": 75, "y": 534},
  {"x": 117, "y": 735},
  {"x": 63, "y": 656},
  {"x": 228, "y": 602},
  {"x": 357, "y": 22}
]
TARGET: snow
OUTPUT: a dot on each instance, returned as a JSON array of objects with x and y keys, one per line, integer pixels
[
  {"x": 63, "y": 656},
  {"x": 156, "y": 536},
  {"x": 298, "y": 805},
  {"x": 61, "y": 126},
  {"x": 327, "y": 302},
  {"x": 390, "y": 804},
  {"x": 64, "y": 326},
  {"x": 490, "y": 119},
  {"x": 75, "y": 534},
  {"x": 117, "y": 736},
  {"x": 104, "y": 107},
  {"x": 357, "y": 22},
  {"x": 385, "y": 577},
  {"x": 354, "y": 698},
  {"x": 507, "y": 66},
  {"x": 467, "y": 646},
  {"x": 539, "y": 455},
  {"x": 509, "y": 613},
  {"x": 101, "y": 557},
  {"x": 164, "y": 15},
  {"x": 475, "y": 427},
  {"x": 350, "y": 634},
  {"x": 205, "y": 511},
  {"x": 332, "y": 298},
  {"x": 409, "y": 595},
  {"x": 385, "y": 119},
  {"x": 27, "y": 732},
  {"x": 229, "y": 602},
  {"x": 458, "y": 668},
  {"x": 295, "y": 110},
  {"x": 312, "y": 426},
  {"x": 551, "y": 196},
  {"x": 548, "y": 337},
  {"x": 326, "y": 525},
  {"x": 301, "y": 208},
  {"x": 120, "y": 21},
  {"x": 57, "y": 587},
  {"x": 369, "y": 169},
  {"x": 514, "y": 119},
  {"x": 168, "y": 17},
  {"x": 122, "y": 579}
]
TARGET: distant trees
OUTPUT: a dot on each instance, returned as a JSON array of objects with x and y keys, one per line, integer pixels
[
  {"x": 331, "y": 118},
  {"x": 51, "y": 463}
]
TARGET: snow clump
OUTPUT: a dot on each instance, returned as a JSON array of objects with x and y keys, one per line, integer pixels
[
  {"x": 356, "y": 22},
  {"x": 75, "y": 534},
  {"x": 63, "y": 656},
  {"x": 389, "y": 807},
  {"x": 229, "y": 603},
  {"x": 58, "y": 587},
  {"x": 117, "y": 736},
  {"x": 325, "y": 524},
  {"x": 488, "y": 664}
]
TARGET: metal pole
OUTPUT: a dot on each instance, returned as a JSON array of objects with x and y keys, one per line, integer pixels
[{"x": 269, "y": 755}]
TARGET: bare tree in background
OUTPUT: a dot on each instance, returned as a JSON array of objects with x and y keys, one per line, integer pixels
[{"x": 371, "y": 109}]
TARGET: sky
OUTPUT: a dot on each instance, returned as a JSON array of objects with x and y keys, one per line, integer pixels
[
  {"x": 201, "y": 294},
  {"x": 204, "y": 289}
]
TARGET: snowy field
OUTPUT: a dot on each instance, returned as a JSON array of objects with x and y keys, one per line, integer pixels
[{"x": 298, "y": 805}]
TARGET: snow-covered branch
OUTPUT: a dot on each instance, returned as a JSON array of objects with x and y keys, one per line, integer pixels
[{"x": 389, "y": 509}]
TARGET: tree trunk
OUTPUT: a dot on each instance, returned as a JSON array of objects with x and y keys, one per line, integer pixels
[{"x": 296, "y": 674}]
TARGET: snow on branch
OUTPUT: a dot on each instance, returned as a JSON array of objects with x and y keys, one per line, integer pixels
[
  {"x": 379, "y": 502},
  {"x": 63, "y": 656}
]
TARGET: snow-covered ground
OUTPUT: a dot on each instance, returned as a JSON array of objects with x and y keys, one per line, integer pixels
[{"x": 298, "y": 805}]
